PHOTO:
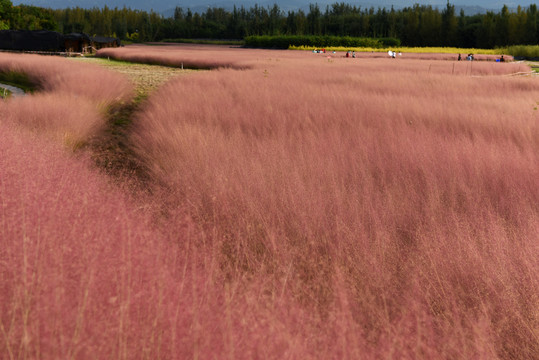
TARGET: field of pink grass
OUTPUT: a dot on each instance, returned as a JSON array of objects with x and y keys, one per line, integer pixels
[
  {"x": 88, "y": 273},
  {"x": 55, "y": 74},
  {"x": 395, "y": 201},
  {"x": 306, "y": 208},
  {"x": 215, "y": 57},
  {"x": 432, "y": 56},
  {"x": 82, "y": 270},
  {"x": 191, "y": 56},
  {"x": 71, "y": 99}
]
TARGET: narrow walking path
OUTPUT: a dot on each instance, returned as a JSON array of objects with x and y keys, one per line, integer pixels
[
  {"x": 146, "y": 78},
  {"x": 15, "y": 91},
  {"x": 111, "y": 149}
]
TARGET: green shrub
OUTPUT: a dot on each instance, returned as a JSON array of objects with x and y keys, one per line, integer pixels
[
  {"x": 390, "y": 42},
  {"x": 204, "y": 41},
  {"x": 285, "y": 41},
  {"x": 524, "y": 51}
]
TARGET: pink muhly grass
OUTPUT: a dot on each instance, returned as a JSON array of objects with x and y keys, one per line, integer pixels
[
  {"x": 212, "y": 57},
  {"x": 68, "y": 119},
  {"x": 420, "y": 65},
  {"x": 401, "y": 203},
  {"x": 308, "y": 208},
  {"x": 72, "y": 98},
  {"x": 54, "y": 74},
  {"x": 200, "y": 57},
  {"x": 434, "y": 56},
  {"x": 83, "y": 273},
  {"x": 86, "y": 275}
]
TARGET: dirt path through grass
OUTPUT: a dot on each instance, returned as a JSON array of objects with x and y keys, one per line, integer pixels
[
  {"x": 146, "y": 78},
  {"x": 110, "y": 149}
]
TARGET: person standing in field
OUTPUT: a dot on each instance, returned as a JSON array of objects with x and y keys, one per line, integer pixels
[{"x": 459, "y": 58}]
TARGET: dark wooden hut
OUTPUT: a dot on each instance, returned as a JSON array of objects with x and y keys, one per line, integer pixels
[
  {"x": 100, "y": 42},
  {"x": 51, "y": 41},
  {"x": 77, "y": 42}
]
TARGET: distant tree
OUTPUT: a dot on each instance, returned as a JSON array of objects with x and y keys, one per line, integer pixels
[
  {"x": 296, "y": 23},
  {"x": 430, "y": 27},
  {"x": 531, "y": 36},
  {"x": 119, "y": 22},
  {"x": 237, "y": 23},
  {"x": 366, "y": 23},
  {"x": 276, "y": 21},
  {"x": 393, "y": 30},
  {"x": 178, "y": 14},
  {"x": 314, "y": 20},
  {"x": 379, "y": 23},
  {"x": 517, "y": 27},
  {"x": 468, "y": 30},
  {"x": 410, "y": 34},
  {"x": 502, "y": 27},
  {"x": 5, "y": 14},
  {"x": 449, "y": 26},
  {"x": 419, "y": 25},
  {"x": 486, "y": 33},
  {"x": 24, "y": 17}
]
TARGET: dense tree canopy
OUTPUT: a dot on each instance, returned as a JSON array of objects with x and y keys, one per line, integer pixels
[
  {"x": 5, "y": 6},
  {"x": 418, "y": 25},
  {"x": 24, "y": 17}
]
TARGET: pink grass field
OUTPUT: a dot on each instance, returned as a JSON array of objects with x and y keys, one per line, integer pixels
[
  {"x": 71, "y": 99},
  {"x": 196, "y": 56},
  {"x": 302, "y": 207},
  {"x": 54, "y": 74},
  {"x": 432, "y": 56},
  {"x": 73, "y": 254},
  {"x": 211, "y": 57}
]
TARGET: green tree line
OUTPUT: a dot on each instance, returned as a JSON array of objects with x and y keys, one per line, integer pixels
[
  {"x": 25, "y": 17},
  {"x": 418, "y": 25},
  {"x": 321, "y": 41}
]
